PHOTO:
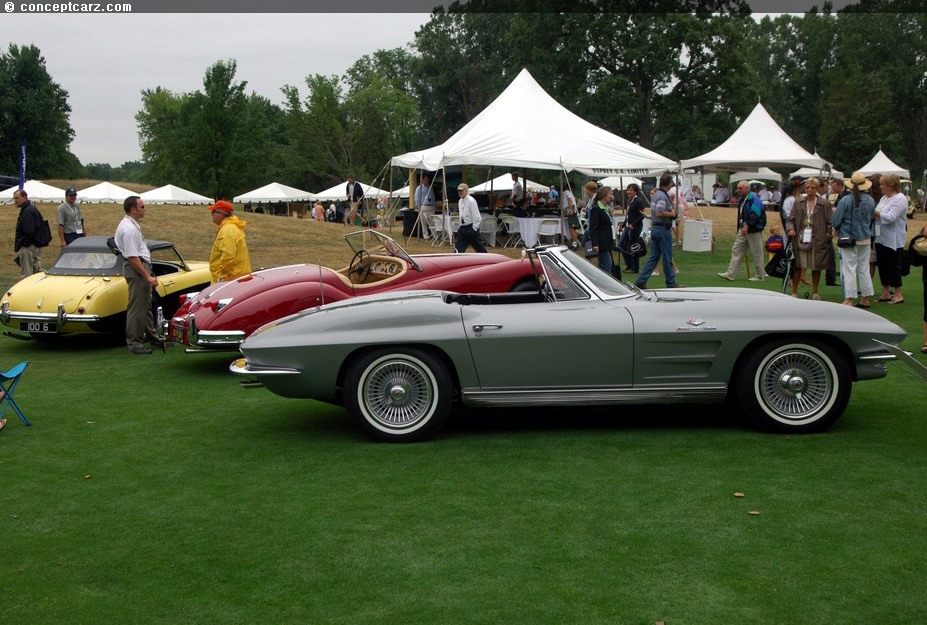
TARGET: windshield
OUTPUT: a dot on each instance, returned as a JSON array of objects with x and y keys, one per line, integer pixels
[
  {"x": 377, "y": 243},
  {"x": 602, "y": 281}
]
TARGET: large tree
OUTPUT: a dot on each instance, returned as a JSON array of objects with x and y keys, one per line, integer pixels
[
  {"x": 219, "y": 141},
  {"x": 33, "y": 109}
]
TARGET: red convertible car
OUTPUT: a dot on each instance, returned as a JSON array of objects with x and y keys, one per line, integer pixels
[{"x": 224, "y": 314}]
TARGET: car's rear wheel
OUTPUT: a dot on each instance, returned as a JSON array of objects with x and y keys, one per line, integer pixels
[
  {"x": 398, "y": 394},
  {"x": 794, "y": 386}
]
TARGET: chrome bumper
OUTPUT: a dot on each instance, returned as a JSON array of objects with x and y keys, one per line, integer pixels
[
  {"x": 60, "y": 317},
  {"x": 184, "y": 330},
  {"x": 241, "y": 366}
]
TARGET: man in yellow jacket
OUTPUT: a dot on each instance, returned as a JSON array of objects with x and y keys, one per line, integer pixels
[{"x": 229, "y": 257}]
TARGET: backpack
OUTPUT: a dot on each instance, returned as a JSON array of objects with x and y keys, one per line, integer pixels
[{"x": 43, "y": 235}]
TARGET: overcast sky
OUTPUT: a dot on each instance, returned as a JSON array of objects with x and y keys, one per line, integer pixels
[{"x": 104, "y": 62}]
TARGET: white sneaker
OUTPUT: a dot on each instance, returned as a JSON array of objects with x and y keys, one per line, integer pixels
[
  {"x": 725, "y": 276},
  {"x": 756, "y": 279}
]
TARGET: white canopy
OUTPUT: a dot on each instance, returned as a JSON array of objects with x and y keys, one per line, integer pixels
[
  {"x": 620, "y": 182},
  {"x": 503, "y": 185},
  {"x": 37, "y": 191},
  {"x": 104, "y": 192},
  {"x": 275, "y": 192},
  {"x": 758, "y": 142},
  {"x": 879, "y": 164},
  {"x": 763, "y": 173},
  {"x": 815, "y": 171},
  {"x": 169, "y": 194},
  {"x": 526, "y": 128},
  {"x": 339, "y": 192}
]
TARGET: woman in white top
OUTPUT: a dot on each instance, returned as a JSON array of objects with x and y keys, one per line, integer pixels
[{"x": 890, "y": 215}]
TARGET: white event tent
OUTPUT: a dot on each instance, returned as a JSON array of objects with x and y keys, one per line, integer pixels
[
  {"x": 758, "y": 142},
  {"x": 37, "y": 191},
  {"x": 815, "y": 171},
  {"x": 882, "y": 164},
  {"x": 274, "y": 192},
  {"x": 762, "y": 173},
  {"x": 339, "y": 192},
  {"x": 503, "y": 185},
  {"x": 170, "y": 194},
  {"x": 104, "y": 192},
  {"x": 525, "y": 128}
]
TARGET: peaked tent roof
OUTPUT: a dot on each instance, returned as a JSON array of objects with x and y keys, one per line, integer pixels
[
  {"x": 758, "y": 142},
  {"x": 815, "y": 171},
  {"x": 526, "y": 128},
  {"x": 104, "y": 192},
  {"x": 882, "y": 164},
  {"x": 275, "y": 192},
  {"x": 169, "y": 194},
  {"x": 503, "y": 184},
  {"x": 763, "y": 173},
  {"x": 339, "y": 192},
  {"x": 37, "y": 191}
]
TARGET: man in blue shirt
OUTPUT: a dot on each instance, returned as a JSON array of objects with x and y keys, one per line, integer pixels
[{"x": 661, "y": 238}]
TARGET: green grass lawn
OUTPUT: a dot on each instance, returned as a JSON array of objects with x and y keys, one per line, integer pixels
[{"x": 156, "y": 490}]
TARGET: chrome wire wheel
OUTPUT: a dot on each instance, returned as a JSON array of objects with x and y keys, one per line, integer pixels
[
  {"x": 397, "y": 392},
  {"x": 795, "y": 386}
]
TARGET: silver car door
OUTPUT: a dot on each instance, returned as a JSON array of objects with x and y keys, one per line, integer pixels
[{"x": 551, "y": 345}]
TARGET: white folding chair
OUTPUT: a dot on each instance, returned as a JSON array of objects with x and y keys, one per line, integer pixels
[
  {"x": 455, "y": 226},
  {"x": 513, "y": 233},
  {"x": 438, "y": 234},
  {"x": 488, "y": 229},
  {"x": 549, "y": 227}
]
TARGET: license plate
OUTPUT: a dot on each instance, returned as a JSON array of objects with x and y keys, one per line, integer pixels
[{"x": 39, "y": 327}]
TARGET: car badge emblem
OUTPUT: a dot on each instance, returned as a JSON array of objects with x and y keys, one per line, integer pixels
[
  {"x": 696, "y": 324},
  {"x": 38, "y": 304}
]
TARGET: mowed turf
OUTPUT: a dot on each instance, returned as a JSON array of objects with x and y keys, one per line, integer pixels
[{"x": 155, "y": 489}]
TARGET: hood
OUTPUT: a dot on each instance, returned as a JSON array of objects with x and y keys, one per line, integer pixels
[{"x": 42, "y": 293}]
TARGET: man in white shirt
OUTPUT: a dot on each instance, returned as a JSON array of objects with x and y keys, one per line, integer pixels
[
  {"x": 140, "y": 278},
  {"x": 569, "y": 212},
  {"x": 518, "y": 191},
  {"x": 469, "y": 231}
]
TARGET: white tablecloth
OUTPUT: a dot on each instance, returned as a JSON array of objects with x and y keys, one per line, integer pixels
[{"x": 528, "y": 228}]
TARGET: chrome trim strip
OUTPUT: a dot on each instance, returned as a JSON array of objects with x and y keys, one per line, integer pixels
[{"x": 707, "y": 393}]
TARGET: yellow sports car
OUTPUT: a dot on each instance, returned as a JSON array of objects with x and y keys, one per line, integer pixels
[{"x": 84, "y": 292}]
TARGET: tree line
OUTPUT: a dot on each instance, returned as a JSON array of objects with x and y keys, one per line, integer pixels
[{"x": 677, "y": 81}]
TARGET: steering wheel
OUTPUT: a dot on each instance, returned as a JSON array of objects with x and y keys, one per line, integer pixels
[{"x": 358, "y": 267}]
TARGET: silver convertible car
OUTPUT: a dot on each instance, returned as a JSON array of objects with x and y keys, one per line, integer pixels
[{"x": 398, "y": 361}]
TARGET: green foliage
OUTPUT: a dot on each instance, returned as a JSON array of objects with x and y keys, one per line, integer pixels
[
  {"x": 33, "y": 109},
  {"x": 219, "y": 141}
]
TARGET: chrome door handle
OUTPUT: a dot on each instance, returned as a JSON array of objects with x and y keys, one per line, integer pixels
[{"x": 488, "y": 326}]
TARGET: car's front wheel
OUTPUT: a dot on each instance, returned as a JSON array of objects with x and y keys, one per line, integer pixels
[
  {"x": 398, "y": 394},
  {"x": 794, "y": 386}
]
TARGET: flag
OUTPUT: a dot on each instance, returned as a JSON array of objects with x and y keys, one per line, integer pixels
[{"x": 22, "y": 166}]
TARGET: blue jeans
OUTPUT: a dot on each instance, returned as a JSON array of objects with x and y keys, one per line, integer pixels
[
  {"x": 661, "y": 246},
  {"x": 605, "y": 261}
]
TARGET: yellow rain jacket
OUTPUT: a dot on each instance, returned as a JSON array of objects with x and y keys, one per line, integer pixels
[{"x": 229, "y": 257}]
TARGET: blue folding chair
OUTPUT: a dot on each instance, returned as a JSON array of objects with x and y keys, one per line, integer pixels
[{"x": 8, "y": 381}]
